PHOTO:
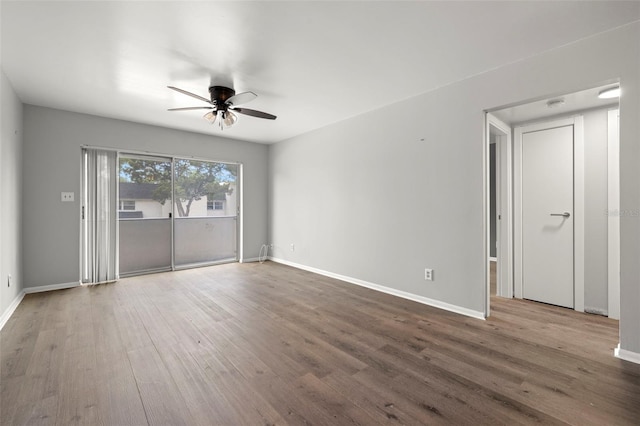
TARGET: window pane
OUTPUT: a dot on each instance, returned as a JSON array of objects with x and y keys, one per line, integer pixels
[
  {"x": 204, "y": 239},
  {"x": 204, "y": 188},
  {"x": 205, "y": 204},
  {"x": 144, "y": 207},
  {"x": 145, "y": 188},
  {"x": 145, "y": 245}
]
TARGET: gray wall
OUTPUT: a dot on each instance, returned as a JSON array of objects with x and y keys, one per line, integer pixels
[
  {"x": 595, "y": 220},
  {"x": 368, "y": 199},
  {"x": 52, "y": 146},
  {"x": 10, "y": 193}
]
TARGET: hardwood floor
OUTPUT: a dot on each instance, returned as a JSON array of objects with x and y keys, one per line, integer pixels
[
  {"x": 493, "y": 277},
  {"x": 261, "y": 344}
]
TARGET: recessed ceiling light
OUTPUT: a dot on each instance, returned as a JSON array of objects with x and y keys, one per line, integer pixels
[
  {"x": 611, "y": 92},
  {"x": 553, "y": 103}
]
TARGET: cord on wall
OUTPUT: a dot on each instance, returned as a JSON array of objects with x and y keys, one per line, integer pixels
[{"x": 265, "y": 249}]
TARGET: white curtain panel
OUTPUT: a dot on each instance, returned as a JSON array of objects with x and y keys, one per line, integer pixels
[{"x": 100, "y": 215}]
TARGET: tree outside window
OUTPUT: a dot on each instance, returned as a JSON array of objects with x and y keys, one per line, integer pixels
[{"x": 194, "y": 180}]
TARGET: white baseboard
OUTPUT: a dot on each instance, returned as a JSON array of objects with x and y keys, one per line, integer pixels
[
  {"x": 493, "y": 259},
  {"x": 11, "y": 309},
  {"x": 251, "y": 259},
  {"x": 392, "y": 291},
  {"x": 51, "y": 287},
  {"x": 626, "y": 355}
]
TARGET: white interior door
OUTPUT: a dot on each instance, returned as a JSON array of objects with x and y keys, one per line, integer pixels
[{"x": 547, "y": 216}]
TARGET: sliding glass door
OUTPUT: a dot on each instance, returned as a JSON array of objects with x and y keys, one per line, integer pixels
[
  {"x": 144, "y": 214},
  {"x": 175, "y": 213},
  {"x": 206, "y": 212}
]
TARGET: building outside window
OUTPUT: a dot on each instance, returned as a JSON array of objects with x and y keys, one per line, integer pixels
[
  {"x": 127, "y": 204},
  {"x": 215, "y": 205}
]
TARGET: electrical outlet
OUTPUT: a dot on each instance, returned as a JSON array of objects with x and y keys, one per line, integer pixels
[
  {"x": 293, "y": 247},
  {"x": 428, "y": 274},
  {"x": 67, "y": 196}
]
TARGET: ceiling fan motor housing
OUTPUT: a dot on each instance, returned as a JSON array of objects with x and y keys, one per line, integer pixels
[{"x": 220, "y": 94}]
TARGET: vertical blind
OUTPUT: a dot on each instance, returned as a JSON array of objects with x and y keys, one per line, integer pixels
[{"x": 99, "y": 262}]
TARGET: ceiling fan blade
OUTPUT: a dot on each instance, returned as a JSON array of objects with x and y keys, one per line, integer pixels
[
  {"x": 241, "y": 98},
  {"x": 254, "y": 113},
  {"x": 193, "y": 95},
  {"x": 189, "y": 108}
]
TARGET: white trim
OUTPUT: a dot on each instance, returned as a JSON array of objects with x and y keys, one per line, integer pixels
[
  {"x": 493, "y": 259},
  {"x": 578, "y": 210},
  {"x": 116, "y": 171},
  {"x": 486, "y": 214},
  {"x": 504, "y": 287},
  {"x": 11, "y": 309},
  {"x": 240, "y": 213},
  {"x": 517, "y": 213},
  {"x": 552, "y": 123},
  {"x": 81, "y": 200},
  {"x": 626, "y": 355},
  {"x": 613, "y": 216},
  {"x": 578, "y": 214},
  {"x": 42, "y": 288},
  {"x": 126, "y": 151},
  {"x": 250, "y": 260},
  {"x": 172, "y": 217},
  {"x": 392, "y": 291}
]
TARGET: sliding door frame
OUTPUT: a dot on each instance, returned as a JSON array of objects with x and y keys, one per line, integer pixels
[
  {"x": 238, "y": 232},
  {"x": 168, "y": 157},
  {"x": 149, "y": 157}
]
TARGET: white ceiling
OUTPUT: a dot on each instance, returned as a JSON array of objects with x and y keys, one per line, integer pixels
[{"x": 311, "y": 63}]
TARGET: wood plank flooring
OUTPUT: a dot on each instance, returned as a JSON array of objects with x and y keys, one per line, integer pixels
[
  {"x": 493, "y": 277},
  {"x": 263, "y": 344}
]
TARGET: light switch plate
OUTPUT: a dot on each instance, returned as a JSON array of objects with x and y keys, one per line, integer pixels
[{"x": 66, "y": 196}]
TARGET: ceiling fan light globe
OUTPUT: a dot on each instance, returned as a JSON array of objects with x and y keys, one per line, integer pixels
[
  {"x": 211, "y": 116},
  {"x": 230, "y": 119}
]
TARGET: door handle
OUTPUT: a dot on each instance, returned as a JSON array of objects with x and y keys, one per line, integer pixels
[{"x": 565, "y": 214}]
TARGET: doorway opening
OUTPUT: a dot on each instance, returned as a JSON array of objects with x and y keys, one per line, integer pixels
[
  {"x": 592, "y": 201},
  {"x": 499, "y": 248}
]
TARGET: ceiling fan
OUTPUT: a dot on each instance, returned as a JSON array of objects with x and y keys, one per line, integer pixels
[{"x": 224, "y": 102}]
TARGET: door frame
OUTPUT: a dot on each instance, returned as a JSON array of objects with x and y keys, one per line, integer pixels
[
  {"x": 578, "y": 203},
  {"x": 504, "y": 207},
  {"x": 239, "y": 205},
  {"x": 613, "y": 213}
]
